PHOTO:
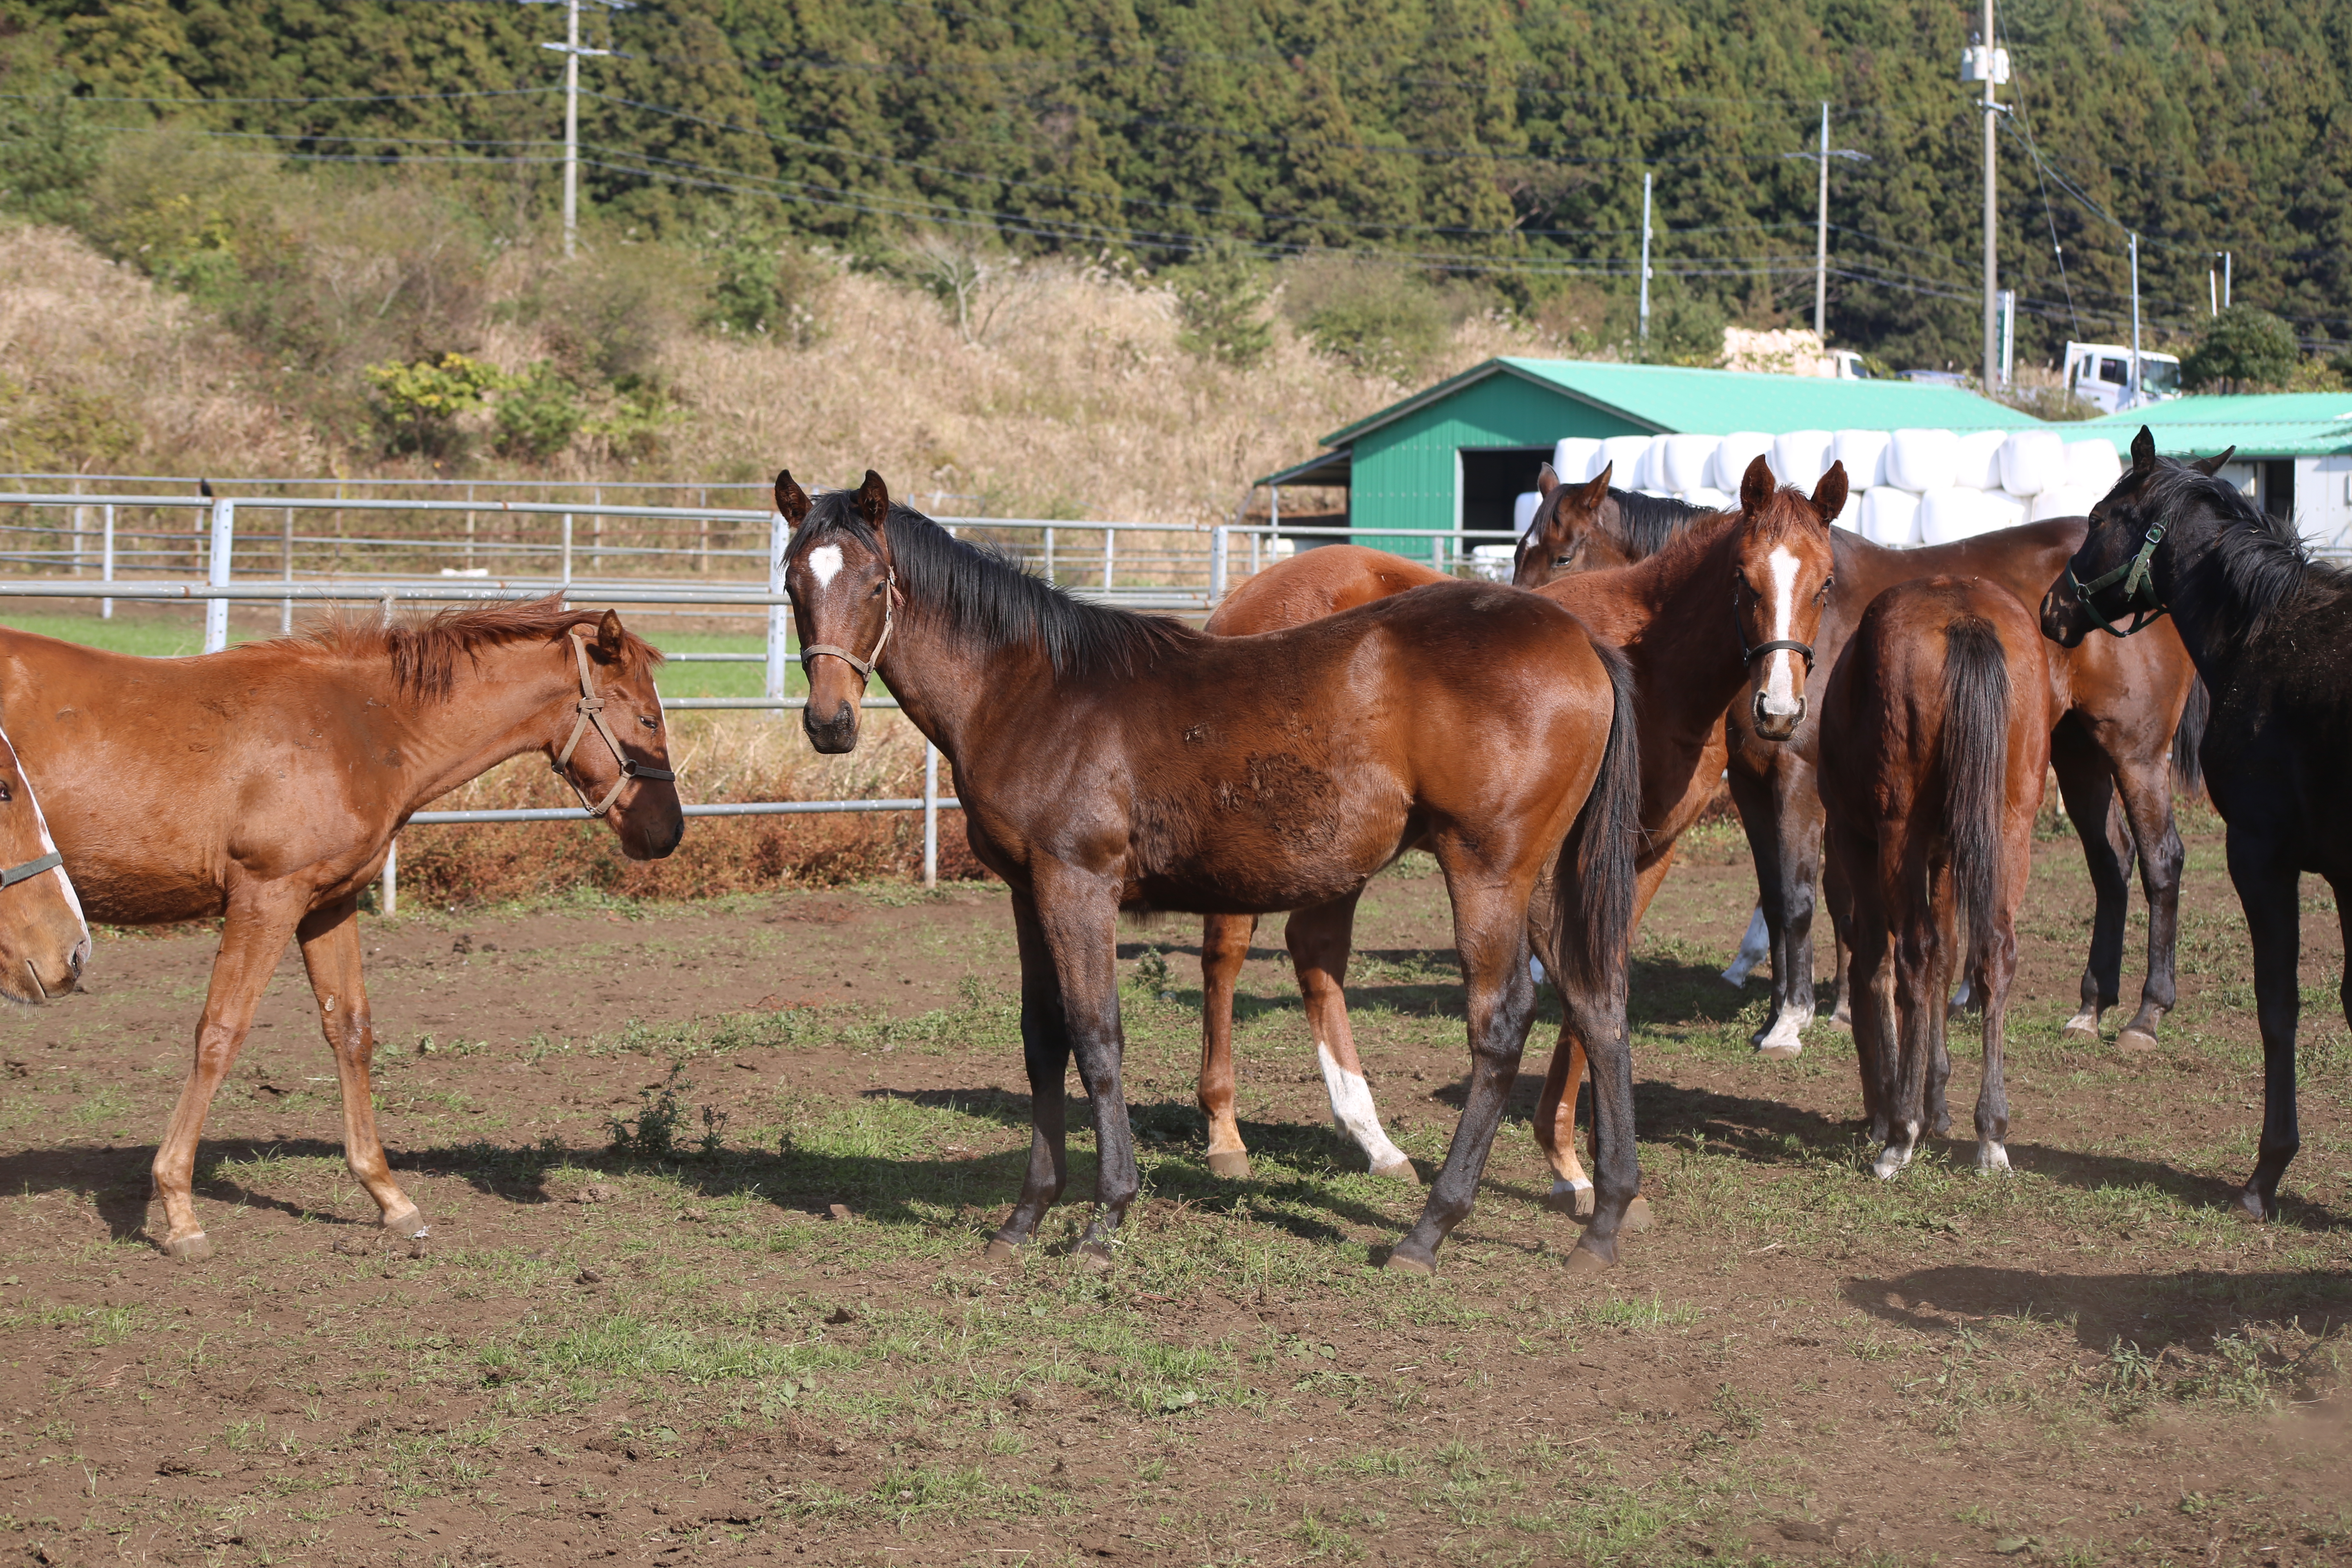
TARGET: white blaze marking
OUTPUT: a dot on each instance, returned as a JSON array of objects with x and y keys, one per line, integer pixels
[
  {"x": 1352, "y": 1108},
  {"x": 1779, "y": 690},
  {"x": 825, "y": 562},
  {"x": 49, "y": 845},
  {"x": 1754, "y": 949}
]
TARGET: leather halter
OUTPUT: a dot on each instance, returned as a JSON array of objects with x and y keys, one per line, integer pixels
[
  {"x": 1748, "y": 656},
  {"x": 863, "y": 666},
  {"x": 13, "y": 875},
  {"x": 2137, "y": 576},
  {"x": 591, "y": 709}
]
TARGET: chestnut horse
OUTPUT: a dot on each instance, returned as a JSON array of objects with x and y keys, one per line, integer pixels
[
  {"x": 2271, "y": 634},
  {"x": 264, "y": 783},
  {"x": 1934, "y": 741},
  {"x": 1730, "y": 606},
  {"x": 2129, "y": 732},
  {"x": 1108, "y": 761},
  {"x": 44, "y": 941}
]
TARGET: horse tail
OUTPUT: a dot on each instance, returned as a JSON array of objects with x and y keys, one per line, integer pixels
[
  {"x": 1974, "y": 758},
  {"x": 1596, "y": 913},
  {"x": 2187, "y": 768}
]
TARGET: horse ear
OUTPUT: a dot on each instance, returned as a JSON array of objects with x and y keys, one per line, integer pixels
[
  {"x": 1596, "y": 492},
  {"x": 1756, "y": 485},
  {"x": 791, "y": 500},
  {"x": 608, "y": 633},
  {"x": 2209, "y": 466},
  {"x": 1829, "y": 496},
  {"x": 874, "y": 501},
  {"x": 2144, "y": 451},
  {"x": 1547, "y": 480}
]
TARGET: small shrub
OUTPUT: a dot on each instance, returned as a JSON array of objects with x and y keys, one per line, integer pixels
[
  {"x": 1221, "y": 297},
  {"x": 762, "y": 286},
  {"x": 2244, "y": 349},
  {"x": 537, "y": 414},
  {"x": 1381, "y": 320},
  {"x": 652, "y": 1133},
  {"x": 421, "y": 404}
]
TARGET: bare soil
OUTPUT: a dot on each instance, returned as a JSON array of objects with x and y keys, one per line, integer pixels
[{"x": 683, "y": 1351}]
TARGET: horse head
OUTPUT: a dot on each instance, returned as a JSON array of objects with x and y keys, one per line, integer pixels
[
  {"x": 2112, "y": 577},
  {"x": 615, "y": 751},
  {"x": 44, "y": 942},
  {"x": 1568, "y": 534},
  {"x": 844, "y": 587},
  {"x": 1781, "y": 578}
]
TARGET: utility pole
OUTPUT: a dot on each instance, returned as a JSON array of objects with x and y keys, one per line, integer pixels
[
  {"x": 570, "y": 51},
  {"x": 1821, "y": 239},
  {"x": 2225, "y": 279},
  {"x": 2135, "y": 370},
  {"x": 1646, "y": 258},
  {"x": 1983, "y": 62}
]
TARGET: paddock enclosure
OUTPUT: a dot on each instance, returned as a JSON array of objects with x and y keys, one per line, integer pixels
[{"x": 669, "y": 1353}]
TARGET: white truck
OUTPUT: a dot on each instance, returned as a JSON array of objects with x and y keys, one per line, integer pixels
[{"x": 2101, "y": 374}]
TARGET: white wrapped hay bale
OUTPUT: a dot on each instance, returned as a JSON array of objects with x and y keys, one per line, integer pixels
[
  {"x": 2001, "y": 510},
  {"x": 1800, "y": 458},
  {"x": 1863, "y": 453},
  {"x": 2092, "y": 463},
  {"x": 1623, "y": 456},
  {"x": 1678, "y": 463},
  {"x": 1575, "y": 459},
  {"x": 2032, "y": 461},
  {"x": 2065, "y": 500},
  {"x": 1734, "y": 453},
  {"x": 1712, "y": 499},
  {"x": 1890, "y": 516},
  {"x": 1979, "y": 460},
  {"x": 1949, "y": 515},
  {"x": 1923, "y": 460},
  {"x": 1523, "y": 509}
]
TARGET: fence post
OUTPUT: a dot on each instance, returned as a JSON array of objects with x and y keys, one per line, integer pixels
[
  {"x": 106, "y": 560},
  {"x": 286, "y": 606},
  {"x": 780, "y": 534},
  {"x": 1049, "y": 552},
  {"x": 1109, "y": 535},
  {"x": 224, "y": 548},
  {"x": 1218, "y": 544},
  {"x": 930, "y": 815},
  {"x": 391, "y": 878},
  {"x": 567, "y": 550}
]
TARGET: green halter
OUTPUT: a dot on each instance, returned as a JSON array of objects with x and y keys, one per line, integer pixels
[{"x": 2137, "y": 578}]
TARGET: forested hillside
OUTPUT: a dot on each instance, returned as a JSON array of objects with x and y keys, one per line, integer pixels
[{"x": 1493, "y": 140}]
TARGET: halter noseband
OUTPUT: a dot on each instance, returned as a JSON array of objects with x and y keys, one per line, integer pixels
[
  {"x": 863, "y": 666},
  {"x": 591, "y": 709},
  {"x": 30, "y": 869},
  {"x": 1748, "y": 656},
  {"x": 2137, "y": 576}
]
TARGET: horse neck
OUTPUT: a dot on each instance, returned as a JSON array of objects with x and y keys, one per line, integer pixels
[
  {"x": 2205, "y": 609},
  {"x": 1672, "y": 612},
  {"x": 506, "y": 701},
  {"x": 941, "y": 673}
]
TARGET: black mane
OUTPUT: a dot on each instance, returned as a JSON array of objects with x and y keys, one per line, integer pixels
[
  {"x": 1646, "y": 524},
  {"x": 984, "y": 593},
  {"x": 2261, "y": 561}
]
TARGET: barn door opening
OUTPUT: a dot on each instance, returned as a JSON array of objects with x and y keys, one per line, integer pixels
[{"x": 1491, "y": 476}]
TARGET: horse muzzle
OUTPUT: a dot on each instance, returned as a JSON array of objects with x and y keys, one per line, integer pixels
[
  {"x": 1775, "y": 724},
  {"x": 833, "y": 733}
]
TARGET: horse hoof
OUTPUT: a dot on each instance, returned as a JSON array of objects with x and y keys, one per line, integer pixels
[
  {"x": 1992, "y": 1159},
  {"x": 189, "y": 1248},
  {"x": 1637, "y": 1215},
  {"x": 1402, "y": 1171},
  {"x": 2078, "y": 1033},
  {"x": 409, "y": 1224},
  {"x": 998, "y": 1250},
  {"x": 1093, "y": 1255},
  {"x": 1781, "y": 1050},
  {"x": 1402, "y": 1262},
  {"x": 2135, "y": 1040},
  {"x": 1583, "y": 1260},
  {"x": 1233, "y": 1166},
  {"x": 2249, "y": 1206},
  {"x": 1572, "y": 1198}
]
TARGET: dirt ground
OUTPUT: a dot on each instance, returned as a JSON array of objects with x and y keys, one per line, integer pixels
[{"x": 671, "y": 1349}]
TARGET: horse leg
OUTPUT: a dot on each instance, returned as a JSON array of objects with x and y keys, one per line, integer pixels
[
  {"x": 1491, "y": 939},
  {"x": 1918, "y": 1012},
  {"x": 1318, "y": 939},
  {"x": 1224, "y": 945},
  {"x": 2265, "y": 878},
  {"x": 1046, "y": 1050},
  {"x": 261, "y": 919},
  {"x": 1857, "y": 888},
  {"x": 1555, "y": 1125},
  {"x": 2145, "y": 785},
  {"x": 2088, "y": 789},
  {"x": 1999, "y": 973},
  {"x": 1784, "y": 831},
  {"x": 1949, "y": 939},
  {"x": 1079, "y": 916},
  {"x": 331, "y": 952},
  {"x": 1838, "y": 898}
]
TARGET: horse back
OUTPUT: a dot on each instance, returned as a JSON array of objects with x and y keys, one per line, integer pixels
[{"x": 1316, "y": 583}]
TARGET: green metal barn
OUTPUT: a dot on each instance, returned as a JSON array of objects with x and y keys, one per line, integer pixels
[{"x": 1452, "y": 457}]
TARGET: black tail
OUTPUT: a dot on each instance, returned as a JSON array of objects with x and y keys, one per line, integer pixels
[
  {"x": 1596, "y": 910},
  {"x": 2187, "y": 769},
  {"x": 1974, "y": 760}
]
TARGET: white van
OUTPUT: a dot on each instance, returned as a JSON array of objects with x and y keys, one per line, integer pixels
[{"x": 2100, "y": 375}]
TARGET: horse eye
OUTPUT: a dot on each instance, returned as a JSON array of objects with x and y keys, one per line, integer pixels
[
  {"x": 6, "y": 794},
  {"x": 648, "y": 723}
]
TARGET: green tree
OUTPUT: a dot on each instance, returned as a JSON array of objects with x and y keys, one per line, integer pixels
[
  {"x": 1222, "y": 297},
  {"x": 2246, "y": 349}
]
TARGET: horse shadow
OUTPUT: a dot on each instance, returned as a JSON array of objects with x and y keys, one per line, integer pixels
[{"x": 2151, "y": 1312}]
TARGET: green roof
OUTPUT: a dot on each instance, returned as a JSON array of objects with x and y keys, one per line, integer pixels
[
  {"x": 2260, "y": 425},
  {"x": 1717, "y": 402}
]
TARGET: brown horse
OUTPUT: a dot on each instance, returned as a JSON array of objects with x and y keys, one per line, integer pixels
[
  {"x": 1731, "y": 606},
  {"x": 1935, "y": 739},
  {"x": 2130, "y": 731},
  {"x": 1108, "y": 761},
  {"x": 265, "y": 785},
  {"x": 44, "y": 942}
]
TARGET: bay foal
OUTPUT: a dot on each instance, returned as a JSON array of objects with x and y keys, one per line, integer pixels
[
  {"x": 1935, "y": 742},
  {"x": 264, "y": 784},
  {"x": 1108, "y": 761}
]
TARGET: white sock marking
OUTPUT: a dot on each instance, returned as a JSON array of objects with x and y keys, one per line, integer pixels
[
  {"x": 1754, "y": 949},
  {"x": 825, "y": 562},
  {"x": 1352, "y": 1108},
  {"x": 1787, "y": 1033}
]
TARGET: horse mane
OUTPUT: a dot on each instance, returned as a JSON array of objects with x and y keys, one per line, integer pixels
[
  {"x": 2261, "y": 559},
  {"x": 1646, "y": 523},
  {"x": 984, "y": 593},
  {"x": 424, "y": 654}
]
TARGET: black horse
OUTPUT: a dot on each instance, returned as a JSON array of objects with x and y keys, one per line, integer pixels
[{"x": 2270, "y": 632}]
